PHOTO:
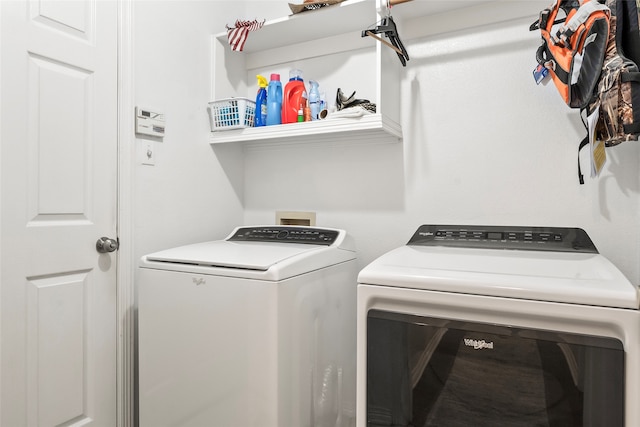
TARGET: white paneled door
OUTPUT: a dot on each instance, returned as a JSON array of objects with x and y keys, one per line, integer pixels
[{"x": 58, "y": 177}]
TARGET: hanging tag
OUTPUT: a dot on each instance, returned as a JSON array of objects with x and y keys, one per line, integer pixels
[
  {"x": 540, "y": 73},
  {"x": 597, "y": 149}
]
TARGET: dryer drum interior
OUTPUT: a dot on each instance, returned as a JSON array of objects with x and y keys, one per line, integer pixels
[{"x": 435, "y": 372}]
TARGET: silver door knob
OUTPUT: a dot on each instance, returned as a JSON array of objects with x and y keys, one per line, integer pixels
[{"x": 105, "y": 244}]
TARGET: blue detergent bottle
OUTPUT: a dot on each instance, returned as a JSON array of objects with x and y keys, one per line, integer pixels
[
  {"x": 261, "y": 102},
  {"x": 274, "y": 101},
  {"x": 314, "y": 100}
]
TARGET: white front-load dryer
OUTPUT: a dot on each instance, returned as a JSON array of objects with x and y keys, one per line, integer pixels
[
  {"x": 257, "y": 329},
  {"x": 497, "y": 326}
]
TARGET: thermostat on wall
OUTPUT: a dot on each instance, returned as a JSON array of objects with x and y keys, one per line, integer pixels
[{"x": 149, "y": 123}]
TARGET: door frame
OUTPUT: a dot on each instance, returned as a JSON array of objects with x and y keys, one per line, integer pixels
[
  {"x": 125, "y": 313},
  {"x": 0, "y": 206}
]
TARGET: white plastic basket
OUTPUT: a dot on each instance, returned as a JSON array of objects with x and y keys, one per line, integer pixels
[{"x": 231, "y": 113}]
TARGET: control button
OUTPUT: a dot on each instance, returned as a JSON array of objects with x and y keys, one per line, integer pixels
[
  {"x": 283, "y": 234},
  {"x": 494, "y": 235}
]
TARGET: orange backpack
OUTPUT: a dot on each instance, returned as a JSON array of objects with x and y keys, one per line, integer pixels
[{"x": 574, "y": 40}]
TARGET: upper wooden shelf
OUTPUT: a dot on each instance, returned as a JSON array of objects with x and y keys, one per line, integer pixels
[{"x": 348, "y": 16}]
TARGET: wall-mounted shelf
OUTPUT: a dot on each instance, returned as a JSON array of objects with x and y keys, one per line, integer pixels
[
  {"x": 373, "y": 127},
  {"x": 327, "y": 45}
]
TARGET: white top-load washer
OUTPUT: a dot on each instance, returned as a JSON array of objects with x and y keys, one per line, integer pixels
[
  {"x": 486, "y": 325},
  {"x": 257, "y": 329}
]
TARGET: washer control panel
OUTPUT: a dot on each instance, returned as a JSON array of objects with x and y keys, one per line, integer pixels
[
  {"x": 496, "y": 237},
  {"x": 283, "y": 234}
]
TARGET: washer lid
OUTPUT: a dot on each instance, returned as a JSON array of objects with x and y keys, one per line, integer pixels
[
  {"x": 565, "y": 277},
  {"x": 222, "y": 253},
  {"x": 260, "y": 252}
]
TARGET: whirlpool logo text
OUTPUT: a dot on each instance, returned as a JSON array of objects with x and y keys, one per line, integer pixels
[{"x": 478, "y": 344}]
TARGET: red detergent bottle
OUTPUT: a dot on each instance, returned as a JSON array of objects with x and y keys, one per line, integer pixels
[{"x": 293, "y": 97}]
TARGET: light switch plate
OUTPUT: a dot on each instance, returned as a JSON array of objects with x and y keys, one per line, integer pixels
[{"x": 147, "y": 153}]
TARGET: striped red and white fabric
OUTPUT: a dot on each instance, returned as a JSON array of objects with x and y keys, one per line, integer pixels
[{"x": 237, "y": 35}]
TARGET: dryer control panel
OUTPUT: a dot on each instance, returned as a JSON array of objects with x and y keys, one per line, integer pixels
[
  {"x": 509, "y": 237},
  {"x": 283, "y": 234}
]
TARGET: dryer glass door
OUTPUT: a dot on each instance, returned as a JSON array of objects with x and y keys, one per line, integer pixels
[{"x": 434, "y": 372}]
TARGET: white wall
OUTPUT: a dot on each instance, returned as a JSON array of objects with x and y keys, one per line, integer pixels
[
  {"x": 192, "y": 193},
  {"x": 482, "y": 145}
]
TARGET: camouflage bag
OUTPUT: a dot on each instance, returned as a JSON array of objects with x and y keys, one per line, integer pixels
[{"x": 618, "y": 90}]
